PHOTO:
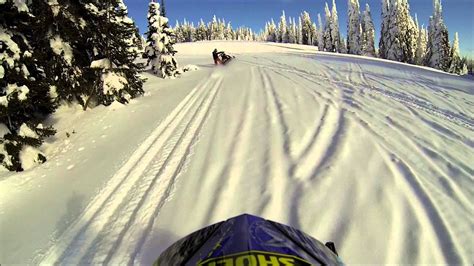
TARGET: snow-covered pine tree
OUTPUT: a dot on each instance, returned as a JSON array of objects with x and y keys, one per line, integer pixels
[
  {"x": 401, "y": 44},
  {"x": 314, "y": 34},
  {"x": 336, "y": 36},
  {"x": 272, "y": 32},
  {"x": 238, "y": 34},
  {"x": 368, "y": 33},
  {"x": 300, "y": 31},
  {"x": 306, "y": 28},
  {"x": 292, "y": 31},
  {"x": 201, "y": 31},
  {"x": 113, "y": 52},
  {"x": 437, "y": 51},
  {"x": 189, "y": 31},
  {"x": 410, "y": 35},
  {"x": 394, "y": 46},
  {"x": 421, "y": 41},
  {"x": 327, "y": 36},
  {"x": 353, "y": 27},
  {"x": 385, "y": 35},
  {"x": 343, "y": 47},
  {"x": 228, "y": 32},
  {"x": 24, "y": 95},
  {"x": 249, "y": 34},
  {"x": 220, "y": 29},
  {"x": 214, "y": 28},
  {"x": 140, "y": 43},
  {"x": 59, "y": 44},
  {"x": 152, "y": 16},
  {"x": 266, "y": 32},
  {"x": 179, "y": 31},
  {"x": 160, "y": 47},
  {"x": 320, "y": 34},
  {"x": 283, "y": 29},
  {"x": 457, "y": 64}
]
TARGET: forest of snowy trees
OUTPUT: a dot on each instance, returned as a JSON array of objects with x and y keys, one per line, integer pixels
[
  {"x": 57, "y": 52},
  {"x": 403, "y": 39},
  {"x": 217, "y": 29}
]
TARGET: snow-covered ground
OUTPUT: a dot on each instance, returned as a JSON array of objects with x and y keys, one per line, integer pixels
[{"x": 374, "y": 155}]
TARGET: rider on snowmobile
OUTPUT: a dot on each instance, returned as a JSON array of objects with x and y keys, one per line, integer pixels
[{"x": 220, "y": 58}]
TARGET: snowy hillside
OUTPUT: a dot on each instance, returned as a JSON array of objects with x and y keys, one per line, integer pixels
[{"x": 373, "y": 155}]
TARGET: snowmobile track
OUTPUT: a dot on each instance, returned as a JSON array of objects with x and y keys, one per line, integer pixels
[{"x": 130, "y": 196}]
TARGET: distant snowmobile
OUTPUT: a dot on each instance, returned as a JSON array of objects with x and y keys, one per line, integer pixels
[
  {"x": 249, "y": 240},
  {"x": 221, "y": 58}
]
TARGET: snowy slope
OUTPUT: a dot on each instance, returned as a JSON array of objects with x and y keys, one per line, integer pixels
[{"x": 373, "y": 155}]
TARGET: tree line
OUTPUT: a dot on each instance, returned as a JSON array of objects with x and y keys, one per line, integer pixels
[
  {"x": 403, "y": 39},
  {"x": 55, "y": 52},
  {"x": 217, "y": 29}
]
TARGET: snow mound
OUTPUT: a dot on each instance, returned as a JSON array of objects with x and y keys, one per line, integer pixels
[{"x": 29, "y": 157}]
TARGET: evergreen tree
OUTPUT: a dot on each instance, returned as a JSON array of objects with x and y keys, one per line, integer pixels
[
  {"x": 300, "y": 31},
  {"x": 189, "y": 31},
  {"x": 410, "y": 35},
  {"x": 336, "y": 36},
  {"x": 437, "y": 51},
  {"x": 401, "y": 44},
  {"x": 353, "y": 28},
  {"x": 320, "y": 34},
  {"x": 368, "y": 33},
  {"x": 457, "y": 65},
  {"x": 343, "y": 47},
  {"x": 228, "y": 32},
  {"x": 292, "y": 38},
  {"x": 214, "y": 29},
  {"x": 306, "y": 28},
  {"x": 422, "y": 41},
  {"x": 327, "y": 36},
  {"x": 385, "y": 35},
  {"x": 152, "y": 33},
  {"x": 160, "y": 46},
  {"x": 266, "y": 32},
  {"x": 179, "y": 31},
  {"x": 59, "y": 45},
  {"x": 314, "y": 34},
  {"x": 220, "y": 29},
  {"x": 24, "y": 94},
  {"x": 394, "y": 46},
  {"x": 272, "y": 32},
  {"x": 283, "y": 29},
  {"x": 113, "y": 74},
  {"x": 201, "y": 31}
]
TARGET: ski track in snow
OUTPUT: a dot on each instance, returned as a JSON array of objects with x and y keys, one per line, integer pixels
[{"x": 418, "y": 199}]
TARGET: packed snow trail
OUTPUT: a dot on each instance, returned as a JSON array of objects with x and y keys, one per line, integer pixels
[
  {"x": 123, "y": 207},
  {"x": 373, "y": 155}
]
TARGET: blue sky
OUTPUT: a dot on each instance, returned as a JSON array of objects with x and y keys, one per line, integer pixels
[{"x": 458, "y": 14}]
